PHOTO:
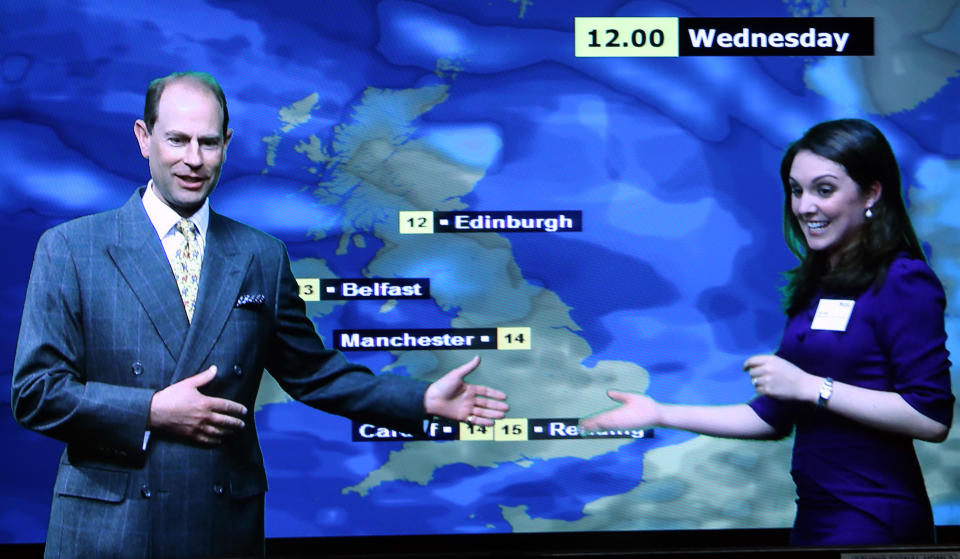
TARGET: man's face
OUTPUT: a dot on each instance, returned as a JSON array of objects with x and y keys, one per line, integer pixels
[{"x": 187, "y": 147}]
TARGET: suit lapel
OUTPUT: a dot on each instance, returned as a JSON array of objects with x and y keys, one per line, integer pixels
[
  {"x": 140, "y": 259},
  {"x": 221, "y": 276}
]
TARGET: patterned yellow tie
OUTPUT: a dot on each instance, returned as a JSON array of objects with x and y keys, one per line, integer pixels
[{"x": 186, "y": 265}]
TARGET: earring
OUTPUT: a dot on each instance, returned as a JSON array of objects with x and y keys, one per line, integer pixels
[{"x": 868, "y": 214}]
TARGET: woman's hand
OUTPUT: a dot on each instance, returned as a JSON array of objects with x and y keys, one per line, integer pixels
[
  {"x": 778, "y": 378},
  {"x": 635, "y": 411}
]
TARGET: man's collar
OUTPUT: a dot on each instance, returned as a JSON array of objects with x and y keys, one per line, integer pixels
[{"x": 163, "y": 217}]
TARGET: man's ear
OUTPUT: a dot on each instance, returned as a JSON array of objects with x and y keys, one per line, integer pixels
[
  {"x": 143, "y": 137},
  {"x": 226, "y": 141}
]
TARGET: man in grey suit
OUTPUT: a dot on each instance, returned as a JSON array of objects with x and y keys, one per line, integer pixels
[{"x": 125, "y": 307}]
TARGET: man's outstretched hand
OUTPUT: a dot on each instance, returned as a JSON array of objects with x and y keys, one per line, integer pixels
[
  {"x": 452, "y": 398},
  {"x": 181, "y": 409}
]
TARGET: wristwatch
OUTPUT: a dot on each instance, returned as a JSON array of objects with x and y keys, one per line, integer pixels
[{"x": 826, "y": 390}]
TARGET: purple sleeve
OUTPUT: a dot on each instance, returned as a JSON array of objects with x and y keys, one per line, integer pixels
[
  {"x": 911, "y": 329},
  {"x": 776, "y": 413}
]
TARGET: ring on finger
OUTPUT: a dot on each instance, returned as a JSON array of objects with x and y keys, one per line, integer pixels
[{"x": 470, "y": 418}]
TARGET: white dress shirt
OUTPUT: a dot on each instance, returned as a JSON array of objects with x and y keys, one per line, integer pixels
[{"x": 164, "y": 220}]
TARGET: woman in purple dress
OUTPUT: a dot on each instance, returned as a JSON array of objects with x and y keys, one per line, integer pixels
[{"x": 862, "y": 369}]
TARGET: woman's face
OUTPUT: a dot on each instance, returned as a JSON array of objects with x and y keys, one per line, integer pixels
[{"x": 827, "y": 203}]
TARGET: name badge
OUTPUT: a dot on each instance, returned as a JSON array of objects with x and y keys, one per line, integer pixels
[{"x": 832, "y": 314}]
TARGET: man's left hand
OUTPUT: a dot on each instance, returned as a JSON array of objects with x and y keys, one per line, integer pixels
[{"x": 452, "y": 398}]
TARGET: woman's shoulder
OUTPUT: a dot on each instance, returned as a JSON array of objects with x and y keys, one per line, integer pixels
[
  {"x": 911, "y": 277},
  {"x": 905, "y": 266}
]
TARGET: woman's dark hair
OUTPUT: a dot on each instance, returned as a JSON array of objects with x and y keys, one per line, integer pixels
[{"x": 866, "y": 156}]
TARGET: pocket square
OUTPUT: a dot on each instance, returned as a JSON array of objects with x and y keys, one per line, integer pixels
[{"x": 250, "y": 299}]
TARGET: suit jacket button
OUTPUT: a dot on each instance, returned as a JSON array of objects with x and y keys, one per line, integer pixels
[
  {"x": 137, "y": 368},
  {"x": 145, "y": 491},
  {"x": 237, "y": 370},
  {"x": 217, "y": 489}
]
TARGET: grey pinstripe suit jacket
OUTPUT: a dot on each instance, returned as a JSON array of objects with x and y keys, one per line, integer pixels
[{"x": 104, "y": 328}]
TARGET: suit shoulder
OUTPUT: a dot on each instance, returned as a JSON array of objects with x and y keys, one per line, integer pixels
[
  {"x": 83, "y": 227},
  {"x": 246, "y": 235}
]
